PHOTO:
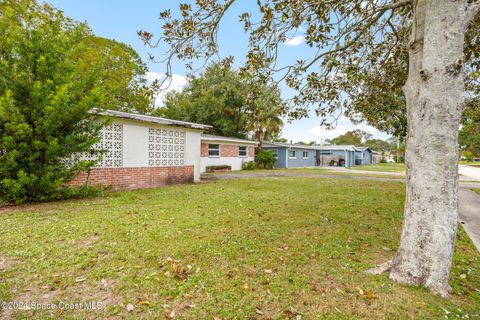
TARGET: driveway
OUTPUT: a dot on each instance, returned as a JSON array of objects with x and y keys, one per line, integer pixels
[{"x": 469, "y": 173}]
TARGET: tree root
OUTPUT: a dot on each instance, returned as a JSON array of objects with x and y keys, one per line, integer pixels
[{"x": 381, "y": 268}]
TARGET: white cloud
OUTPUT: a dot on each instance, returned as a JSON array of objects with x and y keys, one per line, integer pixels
[
  {"x": 342, "y": 127},
  {"x": 295, "y": 41},
  {"x": 176, "y": 83}
]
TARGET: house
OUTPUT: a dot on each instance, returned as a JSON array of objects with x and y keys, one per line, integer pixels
[
  {"x": 145, "y": 152},
  {"x": 218, "y": 151},
  {"x": 292, "y": 155},
  {"x": 363, "y": 155},
  {"x": 296, "y": 155},
  {"x": 376, "y": 157}
]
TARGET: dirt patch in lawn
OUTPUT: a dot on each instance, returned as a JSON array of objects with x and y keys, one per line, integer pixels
[
  {"x": 7, "y": 263},
  {"x": 84, "y": 299}
]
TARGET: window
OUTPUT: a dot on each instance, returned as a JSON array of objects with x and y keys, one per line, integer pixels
[
  {"x": 214, "y": 150},
  {"x": 275, "y": 153},
  {"x": 242, "y": 151},
  {"x": 305, "y": 154},
  {"x": 292, "y": 154}
]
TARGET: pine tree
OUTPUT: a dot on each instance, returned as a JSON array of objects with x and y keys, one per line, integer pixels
[{"x": 44, "y": 101}]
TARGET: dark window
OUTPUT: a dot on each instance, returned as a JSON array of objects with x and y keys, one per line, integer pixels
[
  {"x": 213, "y": 150},
  {"x": 242, "y": 151}
]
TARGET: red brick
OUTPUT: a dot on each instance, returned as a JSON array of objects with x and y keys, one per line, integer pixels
[{"x": 136, "y": 178}]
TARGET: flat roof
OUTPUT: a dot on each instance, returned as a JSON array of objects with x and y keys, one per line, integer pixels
[
  {"x": 211, "y": 137},
  {"x": 151, "y": 119},
  {"x": 289, "y": 145}
]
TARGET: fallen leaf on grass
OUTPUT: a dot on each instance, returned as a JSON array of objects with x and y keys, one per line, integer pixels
[
  {"x": 171, "y": 315},
  {"x": 143, "y": 302},
  {"x": 369, "y": 295},
  {"x": 291, "y": 314},
  {"x": 246, "y": 286},
  {"x": 268, "y": 271}
]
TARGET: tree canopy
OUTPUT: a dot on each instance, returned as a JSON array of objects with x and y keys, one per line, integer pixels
[
  {"x": 53, "y": 72},
  {"x": 121, "y": 75},
  {"x": 233, "y": 107}
]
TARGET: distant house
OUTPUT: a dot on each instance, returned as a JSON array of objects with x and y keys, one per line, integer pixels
[
  {"x": 292, "y": 155},
  {"x": 219, "y": 151},
  {"x": 297, "y": 155},
  {"x": 376, "y": 157}
]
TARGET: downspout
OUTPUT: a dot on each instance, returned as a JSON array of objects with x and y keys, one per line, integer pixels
[
  {"x": 346, "y": 157},
  {"x": 286, "y": 157}
]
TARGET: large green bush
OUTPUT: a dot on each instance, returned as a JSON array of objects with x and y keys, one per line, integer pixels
[
  {"x": 45, "y": 99},
  {"x": 265, "y": 159}
]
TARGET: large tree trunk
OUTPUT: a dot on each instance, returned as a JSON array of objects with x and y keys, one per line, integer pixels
[{"x": 435, "y": 100}]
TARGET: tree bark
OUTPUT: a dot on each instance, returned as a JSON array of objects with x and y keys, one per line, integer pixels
[{"x": 435, "y": 100}]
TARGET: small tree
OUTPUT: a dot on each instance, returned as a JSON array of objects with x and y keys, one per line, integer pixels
[{"x": 44, "y": 101}]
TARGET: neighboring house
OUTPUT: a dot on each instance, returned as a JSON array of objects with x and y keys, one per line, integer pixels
[
  {"x": 292, "y": 155},
  {"x": 217, "y": 151},
  {"x": 376, "y": 157},
  {"x": 145, "y": 152},
  {"x": 363, "y": 155},
  {"x": 296, "y": 155}
]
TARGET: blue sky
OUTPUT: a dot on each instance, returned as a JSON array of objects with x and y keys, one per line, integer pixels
[{"x": 121, "y": 19}]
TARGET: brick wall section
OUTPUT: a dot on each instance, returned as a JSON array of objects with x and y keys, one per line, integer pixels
[
  {"x": 251, "y": 151},
  {"x": 226, "y": 150},
  {"x": 229, "y": 150},
  {"x": 204, "y": 150},
  {"x": 137, "y": 178}
]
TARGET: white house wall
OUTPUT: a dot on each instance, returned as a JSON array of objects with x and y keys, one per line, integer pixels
[
  {"x": 135, "y": 144},
  {"x": 234, "y": 162}
]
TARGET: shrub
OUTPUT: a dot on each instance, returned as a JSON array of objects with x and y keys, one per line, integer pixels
[
  {"x": 468, "y": 155},
  {"x": 265, "y": 159},
  {"x": 249, "y": 165},
  {"x": 383, "y": 160}
]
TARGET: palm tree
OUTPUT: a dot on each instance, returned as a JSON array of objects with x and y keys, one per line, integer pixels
[{"x": 266, "y": 110}]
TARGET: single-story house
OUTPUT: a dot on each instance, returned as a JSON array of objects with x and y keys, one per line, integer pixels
[
  {"x": 145, "y": 152},
  {"x": 296, "y": 155},
  {"x": 218, "y": 151},
  {"x": 363, "y": 155},
  {"x": 292, "y": 155},
  {"x": 376, "y": 157}
]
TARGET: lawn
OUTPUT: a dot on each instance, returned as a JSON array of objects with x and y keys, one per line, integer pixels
[
  {"x": 382, "y": 167},
  {"x": 270, "y": 248}
]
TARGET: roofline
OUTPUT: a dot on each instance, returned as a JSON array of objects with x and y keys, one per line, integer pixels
[
  {"x": 227, "y": 139},
  {"x": 316, "y": 147},
  {"x": 150, "y": 119}
]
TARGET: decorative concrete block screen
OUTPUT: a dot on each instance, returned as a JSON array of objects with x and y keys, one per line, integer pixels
[
  {"x": 166, "y": 147},
  {"x": 111, "y": 145}
]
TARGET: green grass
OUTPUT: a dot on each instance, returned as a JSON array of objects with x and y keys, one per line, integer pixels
[
  {"x": 476, "y": 190},
  {"x": 229, "y": 249},
  {"x": 381, "y": 167},
  {"x": 314, "y": 171},
  {"x": 470, "y": 163}
]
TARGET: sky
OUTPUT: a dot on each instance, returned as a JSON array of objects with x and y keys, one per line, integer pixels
[{"x": 121, "y": 19}]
